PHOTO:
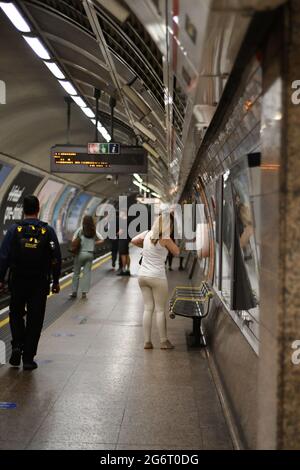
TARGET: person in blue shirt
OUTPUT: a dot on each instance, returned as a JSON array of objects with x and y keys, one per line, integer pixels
[{"x": 30, "y": 251}]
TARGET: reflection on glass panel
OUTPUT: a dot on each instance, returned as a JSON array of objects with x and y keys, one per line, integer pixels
[
  {"x": 227, "y": 238},
  {"x": 247, "y": 278},
  {"x": 201, "y": 236},
  {"x": 216, "y": 226},
  {"x": 212, "y": 236},
  {"x": 202, "y": 245}
]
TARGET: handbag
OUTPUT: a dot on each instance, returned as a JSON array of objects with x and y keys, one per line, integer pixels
[{"x": 75, "y": 246}]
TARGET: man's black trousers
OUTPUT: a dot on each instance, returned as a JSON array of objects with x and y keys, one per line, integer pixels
[
  {"x": 30, "y": 295},
  {"x": 114, "y": 251}
]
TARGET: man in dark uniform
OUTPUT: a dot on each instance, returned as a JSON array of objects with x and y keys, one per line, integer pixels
[
  {"x": 123, "y": 245},
  {"x": 114, "y": 243},
  {"x": 31, "y": 252}
]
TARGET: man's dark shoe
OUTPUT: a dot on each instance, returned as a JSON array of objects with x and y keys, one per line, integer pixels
[
  {"x": 15, "y": 358},
  {"x": 29, "y": 365}
]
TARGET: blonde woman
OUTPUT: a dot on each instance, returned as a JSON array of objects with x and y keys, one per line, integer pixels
[{"x": 156, "y": 244}]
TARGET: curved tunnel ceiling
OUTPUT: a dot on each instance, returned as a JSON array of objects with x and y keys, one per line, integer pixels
[
  {"x": 156, "y": 66},
  {"x": 35, "y": 111}
]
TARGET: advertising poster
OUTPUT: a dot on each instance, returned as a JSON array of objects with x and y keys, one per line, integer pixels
[
  {"x": 11, "y": 209},
  {"x": 4, "y": 172},
  {"x": 92, "y": 206},
  {"x": 75, "y": 213},
  {"x": 60, "y": 211},
  {"x": 47, "y": 197}
]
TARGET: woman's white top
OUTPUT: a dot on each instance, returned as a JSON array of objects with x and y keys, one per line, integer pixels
[
  {"x": 87, "y": 244},
  {"x": 154, "y": 257}
]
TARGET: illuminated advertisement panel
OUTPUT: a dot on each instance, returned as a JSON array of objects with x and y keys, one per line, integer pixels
[
  {"x": 47, "y": 197},
  {"x": 60, "y": 211},
  {"x": 11, "y": 209},
  {"x": 92, "y": 206},
  {"x": 75, "y": 213},
  {"x": 4, "y": 172}
]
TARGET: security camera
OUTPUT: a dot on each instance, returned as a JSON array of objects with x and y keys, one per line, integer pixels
[{"x": 109, "y": 177}]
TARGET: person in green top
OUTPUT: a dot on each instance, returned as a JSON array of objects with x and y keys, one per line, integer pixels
[{"x": 89, "y": 237}]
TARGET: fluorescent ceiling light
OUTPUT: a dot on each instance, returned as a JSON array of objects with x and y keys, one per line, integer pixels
[
  {"x": 141, "y": 186},
  {"x": 37, "y": 47},
  {"x": 144, "y": 130},
  {"x": 79, "y": 101},
  {"x": 102, "y": 130},
  {"x": 15, "y": 17},
  {"x": 55, "y": 70},
  {"x": 105, "y": 134},
  {"x": 150, "y": 150},
  {"x": 99, "y": 125},
  {"x": 68, "y": 87},
  {"x": 156, "y": 195},
  {"x": 137, "y": 177},
  {"x": 88, "y": 112}
]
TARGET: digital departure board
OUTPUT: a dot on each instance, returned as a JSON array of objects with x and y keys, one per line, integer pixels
[{"x": 77, "y": 159}]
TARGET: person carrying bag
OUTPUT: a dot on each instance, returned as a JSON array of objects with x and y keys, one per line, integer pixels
[{"x": 83, "y": 248}]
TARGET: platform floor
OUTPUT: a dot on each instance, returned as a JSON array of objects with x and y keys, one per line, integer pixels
[{"x": 97, "y": 388}]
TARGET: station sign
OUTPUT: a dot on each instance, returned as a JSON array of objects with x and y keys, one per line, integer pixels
[
  {"x": 119, "y": 159},
  {"x": 104, "y": 148}
]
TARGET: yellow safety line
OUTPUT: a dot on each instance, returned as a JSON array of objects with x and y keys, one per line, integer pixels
[
  {"x": 95, "y": 266},
  {"x": 4, "y": 322},
  {"x": 64, "y": 285}
]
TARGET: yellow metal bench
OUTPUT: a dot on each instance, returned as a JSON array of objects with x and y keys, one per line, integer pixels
[{"x": 192, "y": 302}]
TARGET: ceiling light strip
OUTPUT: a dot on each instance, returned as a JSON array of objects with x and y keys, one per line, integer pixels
[
  {"x": 55, "y": 70},
  {"x": 141, "y": 186},
  {"x": 37, "y": 47},
  {"x": 137, "y": 177},
  {"x": 15, "y": 17}
]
